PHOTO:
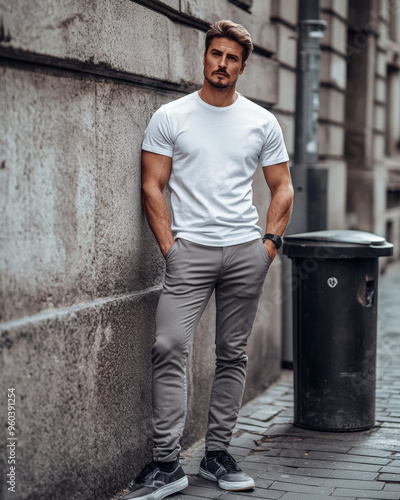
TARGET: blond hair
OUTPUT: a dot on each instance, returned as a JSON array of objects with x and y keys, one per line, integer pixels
[{"x": 236, "y": 32}]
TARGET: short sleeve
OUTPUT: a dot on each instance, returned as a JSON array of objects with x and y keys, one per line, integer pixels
[
  {"x": 157, "y": 136},
  {"x": 274, "y": 149}
]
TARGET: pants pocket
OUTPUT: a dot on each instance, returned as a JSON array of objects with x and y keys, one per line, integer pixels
[
  {"x": 265, "y": 253},
  {"x": 171, "y": 249}
]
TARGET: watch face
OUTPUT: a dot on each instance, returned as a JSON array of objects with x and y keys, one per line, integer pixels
[{"x": 277, "y": 240}]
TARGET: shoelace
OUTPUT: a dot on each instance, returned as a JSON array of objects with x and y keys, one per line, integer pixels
[{"x": 225, "y": 459}]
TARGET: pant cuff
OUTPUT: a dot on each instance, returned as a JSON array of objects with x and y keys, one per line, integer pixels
[
  {"x": 159, "y": 456},
  {"x": 216, "y": 447}
]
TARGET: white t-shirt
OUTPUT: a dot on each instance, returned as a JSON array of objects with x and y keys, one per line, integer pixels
[{"x": 215, "y": 152}]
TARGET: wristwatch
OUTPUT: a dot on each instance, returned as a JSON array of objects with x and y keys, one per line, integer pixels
[{"x": 275, "y": 238}]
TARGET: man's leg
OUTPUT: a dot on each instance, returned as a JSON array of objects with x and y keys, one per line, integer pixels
[
  {"x": 238, "y": 291},
  {"x": 237, "y": 294},
  {"x": 191, "y": 274}
]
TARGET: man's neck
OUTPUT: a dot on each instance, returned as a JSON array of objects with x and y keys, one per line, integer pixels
[{"x": 218, "y": 97}]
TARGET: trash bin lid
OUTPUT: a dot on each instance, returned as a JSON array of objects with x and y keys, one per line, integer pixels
[{"x": 336, "y": 244}]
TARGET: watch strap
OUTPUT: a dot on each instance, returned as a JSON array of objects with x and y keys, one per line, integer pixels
[{"x": 275, "y": 238}]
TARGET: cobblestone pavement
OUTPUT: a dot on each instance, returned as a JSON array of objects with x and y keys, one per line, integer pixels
[{"x": 290, "y": 463}]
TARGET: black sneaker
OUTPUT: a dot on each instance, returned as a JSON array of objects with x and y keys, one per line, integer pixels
[
  {"x": 154, "y": 484},
  {"x": 222, "y": 468}
]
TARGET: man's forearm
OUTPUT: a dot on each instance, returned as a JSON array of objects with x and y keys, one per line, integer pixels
[
  {"x": 157, "y": 214},
  {"x": 278, "y": 216},
  {"x": 279, "y": 211}
]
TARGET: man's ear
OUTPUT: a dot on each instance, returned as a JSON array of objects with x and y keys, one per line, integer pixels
[
  {"x": 242, "y": 68},
  {"x": 204, "y": 59}
]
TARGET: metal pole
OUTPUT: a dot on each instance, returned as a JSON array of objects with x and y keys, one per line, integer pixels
[
  {"x": 304, "y": 174},
  {"x": 311, "y": 30}
]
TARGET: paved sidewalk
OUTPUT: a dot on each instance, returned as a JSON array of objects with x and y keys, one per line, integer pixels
[{"x": 290, "y": 463}]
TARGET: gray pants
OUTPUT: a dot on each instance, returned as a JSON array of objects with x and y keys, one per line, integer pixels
[{"x": 193, "y": 271}]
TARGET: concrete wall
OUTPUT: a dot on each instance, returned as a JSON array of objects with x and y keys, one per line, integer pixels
[
  {"x": 80, "y": 270},
  {"x": 284, "y": 15}
]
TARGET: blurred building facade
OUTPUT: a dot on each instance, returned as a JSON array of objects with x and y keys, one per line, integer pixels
[
  {"x": 80, "y": 269},
  {"x": 372, "y": 117}
]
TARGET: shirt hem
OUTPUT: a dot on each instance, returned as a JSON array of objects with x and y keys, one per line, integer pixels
[
  {"x": 223, "y": 243},
  {"x": 160, "y": 151},
  {"x": 274, "y": 162}
]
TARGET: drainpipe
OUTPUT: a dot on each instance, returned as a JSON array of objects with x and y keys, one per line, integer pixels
[{"x": 309, "y": 182}]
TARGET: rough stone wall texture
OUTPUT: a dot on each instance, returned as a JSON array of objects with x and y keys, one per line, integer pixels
[{"x": 80, "y": 271}]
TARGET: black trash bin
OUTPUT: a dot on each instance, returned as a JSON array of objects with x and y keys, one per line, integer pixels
[{"x": 335, "y": 291}]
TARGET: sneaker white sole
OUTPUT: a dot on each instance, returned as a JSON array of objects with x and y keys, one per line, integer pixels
[
  {"x": 167, "y": 490},
  {"x": 227, "y": 485}
]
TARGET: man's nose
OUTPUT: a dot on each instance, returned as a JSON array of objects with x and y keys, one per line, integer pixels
[{"x": 222, "y": 63}]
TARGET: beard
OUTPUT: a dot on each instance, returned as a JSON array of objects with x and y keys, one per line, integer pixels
[{"x": 218, "y": 84}]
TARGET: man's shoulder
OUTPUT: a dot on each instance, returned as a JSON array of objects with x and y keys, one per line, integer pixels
[
  {"x": 257, "y": 109},
  {"x": 180, "y": 104}
]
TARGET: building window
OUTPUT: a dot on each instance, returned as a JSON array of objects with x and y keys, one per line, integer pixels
[
  {"x": 393, "y": 189},
  {"x": 243, "y": 4},
  {"x": 394, "y": 21},
  {"x": 392, "y": 111},
  {"x": 389, "y": 231}
]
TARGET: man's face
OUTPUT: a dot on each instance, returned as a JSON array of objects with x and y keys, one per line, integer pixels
[{"x": 223, "y": 63}]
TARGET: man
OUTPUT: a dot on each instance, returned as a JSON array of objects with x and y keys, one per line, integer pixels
[{"x": 206, "y": 147}]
